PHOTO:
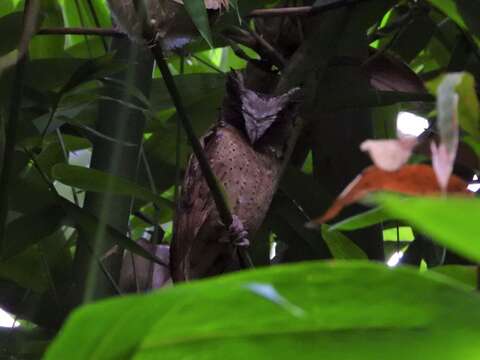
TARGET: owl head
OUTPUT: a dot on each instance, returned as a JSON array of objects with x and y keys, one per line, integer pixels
[{"x": 259, "y": 111}]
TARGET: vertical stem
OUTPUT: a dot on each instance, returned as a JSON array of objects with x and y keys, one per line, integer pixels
[
  {"x": 10, "y": 140},
  {"x": 214, "y": 186},
  {"x": 125, "y": 125}
]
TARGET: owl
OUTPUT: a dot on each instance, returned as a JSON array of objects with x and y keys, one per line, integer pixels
[{"x": 245, "y": 151}]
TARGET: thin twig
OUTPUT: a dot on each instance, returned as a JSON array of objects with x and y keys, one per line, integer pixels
[
  {"x": 286, "y": 11},
  {"x": 394, "y": 25},
  {"x": 105, "y": 271},
  {"x": 82, "y": 31},
  {"x": 213, "y": 184},
  {"x": 270, "y": 50},
  {"x": 218, "y": 194},
  {"x": 153, "y": 188},
  {"x": 303, "y": 10}
]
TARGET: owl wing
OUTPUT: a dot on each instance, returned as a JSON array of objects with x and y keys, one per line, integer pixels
[{"x": 194, "y": 209}]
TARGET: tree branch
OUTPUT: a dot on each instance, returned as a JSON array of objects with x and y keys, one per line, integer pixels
[
  {"x": 216, "y": 189},
  {"x": 82, "y": 31},
  {"x": 303, "y": 10}
]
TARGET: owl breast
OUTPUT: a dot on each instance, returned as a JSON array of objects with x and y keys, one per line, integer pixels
[
  {"x": 246, "y": 175},
  {"x": 201, "y": 244}
]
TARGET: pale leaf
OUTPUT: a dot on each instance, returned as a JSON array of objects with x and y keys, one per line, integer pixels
[{"x": 389, "y": 155}]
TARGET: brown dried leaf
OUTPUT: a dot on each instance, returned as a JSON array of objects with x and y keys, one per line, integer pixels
[
  {"x": 410, "y": 180},
  {"x": 389, "y": 155},
  {"x": 389, "y": 74}
]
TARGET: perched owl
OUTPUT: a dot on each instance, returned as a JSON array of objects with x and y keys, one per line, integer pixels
[{"x": 245, "y": 151}]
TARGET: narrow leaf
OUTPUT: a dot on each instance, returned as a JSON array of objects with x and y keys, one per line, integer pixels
[
  {"x": 198, "y": 13},
  {"x": 365, "y": 219},
  {"x": 341, "y": 247}
]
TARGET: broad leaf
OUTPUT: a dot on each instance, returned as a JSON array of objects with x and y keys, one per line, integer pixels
[
  {"x": 312, "y": 310},
  {"x": 467, "y": 275},
  {"x": 452, "y": 222}
]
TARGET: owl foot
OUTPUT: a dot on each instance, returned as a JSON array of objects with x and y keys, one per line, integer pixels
[{"x": 237, "y": 234}]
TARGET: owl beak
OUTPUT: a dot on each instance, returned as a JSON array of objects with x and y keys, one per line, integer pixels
[
  {"x": 252, "y": 130},
  {"x": 255, "y": 129}
]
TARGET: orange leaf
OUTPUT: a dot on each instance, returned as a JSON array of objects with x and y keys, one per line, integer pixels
[{"x": 410, "y": 180}]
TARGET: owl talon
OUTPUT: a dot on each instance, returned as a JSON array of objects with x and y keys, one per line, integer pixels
[{"x": 238, "y": 234}]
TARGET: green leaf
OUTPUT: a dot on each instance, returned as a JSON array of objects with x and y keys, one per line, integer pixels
[
  {"x": 198, "y": 14},
  {"x": 340, "y": 246},
  {"x": 99, "y": 181},
  {"x": 30, "y": 229},
  {"x": 467, "y": 275},
  {"x": 92, "y": 69},
  {"x": 360, "y": 221},
  {"x": 28, "y": 269},
  {"x": 452, "y": 222},
  {"x": 90, "y": 224},
  {"x": 10, "y": 24},
  {"x": 465, "y": 13},
  {"x": 51, "y": 45},
  {"x": 473, "y": 143},
  {"x": 343, "y": 310},
  {"x": 468, "y": 107}
]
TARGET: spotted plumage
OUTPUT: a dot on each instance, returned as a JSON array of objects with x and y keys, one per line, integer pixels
[{"x": 247, "y": 163}]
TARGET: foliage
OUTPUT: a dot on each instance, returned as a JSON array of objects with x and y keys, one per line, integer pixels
[{"x": 92, "y": 154}]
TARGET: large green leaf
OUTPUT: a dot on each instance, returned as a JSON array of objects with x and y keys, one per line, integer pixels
[
  {"x": 452, "y": 222},
  {"x": 467, "y": 275},
  {"x": 306, "y": 311}
]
